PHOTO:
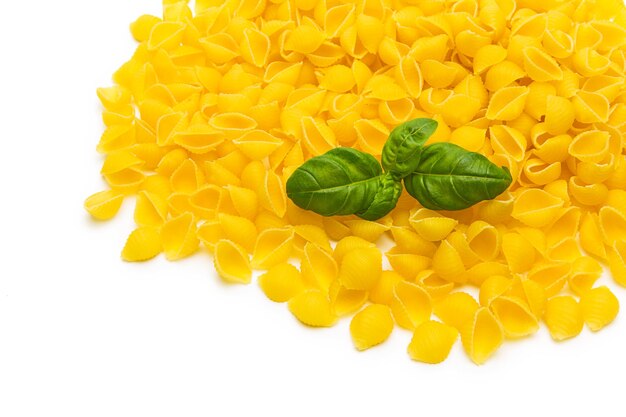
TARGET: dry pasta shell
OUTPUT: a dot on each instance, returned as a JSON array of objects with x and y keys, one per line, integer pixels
[
  {"x": 585, "y": 272},
  {"x": 540, "y": 66},
  {"x": 531, "y": 293},
  {"x": 565, "y": 226},
  {"x": 382, "y": 291},
  {"x": 537, "y": 100},
  {"x": 272, "y": 247},
  {"x": 478, "y": 273},
  {"x": 179, "y": 237},
  {"x": 348, "y": 244},
  {"x": 281, "y": 283},
  {"x": 590, "y": 107},
  {"x": 319, "y": 269},
  {"x": 612, "y": 223},
  {"x": 508, "y": 141},
  {"x": 515, "y": 316},
  {"x": 558, "y": 43},
  {"x": 488, "y": 56},
  {"x": 448, "y": 264},
  {"x": 371, "y": 326},
  {"x": 536, "y": 208},
  {"x": 150, "y": 209},
  {"x": 304, "y": 39},
  {"x": 338, "y": 18},
  {"x": 187, "y": 178},
  {"x": 255, "y": 47},
  {"x": 432, "y": 342},
  {"x": 433, "y": 284},
  {"x": 599, "y": 307},
  {"x": 360, "y": 268},
  {"x": 166, "y": 35},
  {"x": 313, "y": 308},
  {"x": 507, "y": 103},
  {"x": 104, "y": 205},
  {"x": 209, "y": 233},
  {"x": 408, "y": 265},
  {"x": 492, "y": 288},
  {"x": 411, "y": 305},
  {"x": 345, "y": 301},
  {"x": 459, "y": 242},
  {"x": 617, "y": 261},
  {"x": 564, "y": 317},
  {"x": 431, "y": 226},
  {"x": 482, "y": 335},
  {"x": 244, "y": 200},
  {"x": 231, "y": 262},
  {"x": 143, "y": 243},
  {"x": 552, "y": 276},
  {"x": 257, "y": 144},
  {"x": 368, "y": 230},
  {"x": 560, "y": 115},
  {"x": 468, "y": 137},
  {"x": 221, "y": 47},
  {"x": 589, "y": 62},
  {"x": 238, "y": 230},
  {"x": 409, "y": 76},
  {"x": 317, "y": 136},
  {"x": 484, "y": 240},
  {"x": 456, "y": 308},
  {"x": 518, "y": 252},
  {"x": 502, "y": 75}
]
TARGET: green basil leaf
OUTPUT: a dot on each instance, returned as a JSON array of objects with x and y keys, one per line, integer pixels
[
  {"x": 449, "y": 177},
  {"x": 386, "y": 198},
  {"x": 400, "y": 154},
  {"x": 341, "y": 181}
]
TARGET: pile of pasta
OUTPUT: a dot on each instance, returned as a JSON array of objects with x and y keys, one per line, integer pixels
[{"x": 224, "y": 99}]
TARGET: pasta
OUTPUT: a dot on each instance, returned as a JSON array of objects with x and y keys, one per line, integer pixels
[{"x": 223, "y": 101}]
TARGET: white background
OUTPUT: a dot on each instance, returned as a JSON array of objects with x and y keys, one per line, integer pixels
[{"x": 84, "y": 334}]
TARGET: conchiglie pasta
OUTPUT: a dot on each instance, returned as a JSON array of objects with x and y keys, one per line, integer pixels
[{"x": 221, "y": 102}]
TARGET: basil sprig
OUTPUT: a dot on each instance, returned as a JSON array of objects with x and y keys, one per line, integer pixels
[{"x": 441, "y": 176}]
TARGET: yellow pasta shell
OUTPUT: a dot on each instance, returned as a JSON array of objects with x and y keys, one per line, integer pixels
[
  {"x": 319, "y": 269},
  {"x": 560, "y": 115},
  {"x": 492, "y": 288},
  {"x": 408, "y": 265},
  {"x": 448, "y": 264},
  {"x": 540, "y": 66},
  {"x": 142, "y": 244},
  {"x": 179, "y": 237},
  {"x": 599, "y": 307},
  {"x": 382, "y": 291},
  {"x": 431, "y": 226},
  {"x": 104, "y": 205},
  {"x": 410, "y": 305},
  {"x": 518, "y": 252},
  {"x": 456, "y": 308},
  {"x": 482, "y": 335},
  {"x": 371, "y": 326},
  {"x": 488, "y": 56},
  {"x": 281, "y": 283},
  {"x": 617, "y": 261},
  {"x": 231, "y": 262},
  {"x": 312, "y": 307},
  {"x": 515, "y": 316},
  {"x": 585, "y": 272},
  {"x": 360, "y": 268},
  {"x": 507, "y": 103},
  {"x": 536, "y": 208},
  {"x": 564, "y": 317},
  {"x": 272, "y": 247},
  {"x": 432, "y": 342},
  {"x": 612, "y": 223}
]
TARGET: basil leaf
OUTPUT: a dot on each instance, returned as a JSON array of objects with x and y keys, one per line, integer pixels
[
  {"x": 341, "y": 181},
  {"x": 400, "y": 154},
  {"x": 386, "y": 198},
  {"x": 449, "y": 177}
]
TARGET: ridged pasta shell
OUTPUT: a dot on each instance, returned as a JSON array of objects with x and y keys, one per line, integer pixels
[
  {"x": 612, "y": 225},
  {"x": 338, "y": 18},
  {"x": 552, "y": 276},
  {"x": 599, "y": 307},
  {"x": 409, "y": 76},
  {"x": 396, "y": 111},
  {"x": 482, "y": 335},
  {"x": 537, "y": 100},
  {"x": 590, "y": 107},
  {"x": 518, "y": 252},
  {"x": 360, "y": 268},
  {"x": 459, "y": 242},
  {"x": 560, "y": 115},
  {"x": 199, "y": 139},
  {"x": 456, "y": 308},
  {"x": 432, "y": 342},
  {"x": 348, "y": 244},
  {"x": 558, "y": 43},
  {"x": 589, "y": 62},
  {"x": 509, "y": 141},
  {"x": 431, "y": 226},
  {"x": 478, "y": 273},
  {"x": 536, "y": 208},
  {"x": 408, "y": 265},
  {"x": 448, "y": 264},
  {"x": 179, "y": 237},
  {"x": 469, "y": 42},
  {"x": 257, "y": 144},
  {"x": 281, "y": 283},
  {"x": 209, "y": 233},
  {"x": 585, "y": 272},
  {"x": 564, "y": 317},
  {"x": 484, "y": 240},
  {"x": 468, "y": 137},
  {"x": 515, "y": 316},
  {"x": 187, "y": 178},
  {"x": 411, "y": 305},
  {"x": 365, "y": 229},
  {"x": 565, "y": 226},
  {"x": 530, "y": 292},
  {"x": 371, "y": 326},
  {"x": 507, "y": 103},
  {"x": 617, "y": 261},
  {"x": 143, "y": 243},
  {"x": 319, "y": 269},
  {"x": 231, "y": 262},
  {"x": 150, "y": 209},
  {"x": 382, "y": 291},
  {"x": 272, "y": 195},
  {"x": 433, "y": 284},
  {"x": 238, "y": 230},
  {"x": 345, "y": 301},
  {"x": 492, "y": 288},
  {"x": 166, "y": 35},
  {"x": 272, "y": 247},
  {"x": 244, "y": 200},
  {"x": 488, "y": 56},
  {"x": 312, "y": 307},
  {"x": 540, "y": 66},
  {"x": 255, "y": 47},
  {"x": 502, "y": 75},
  {"x": 104, "y": 205},
  {"x": 304, "y": 39}
]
